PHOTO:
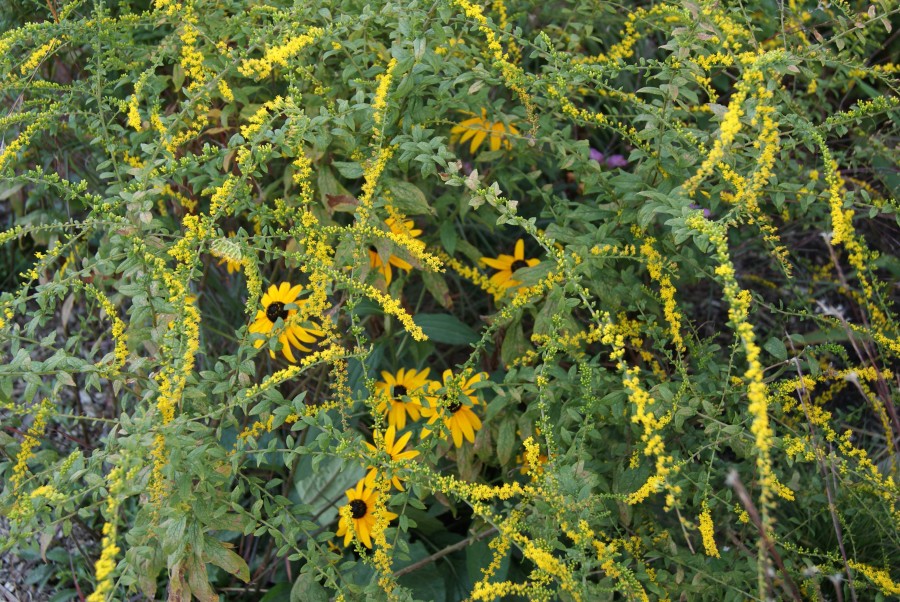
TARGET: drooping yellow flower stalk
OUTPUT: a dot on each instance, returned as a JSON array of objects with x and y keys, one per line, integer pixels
[
  {"x": 29, "y": 443},
  {"x": 39, "y": 55},
  {"x": 728, "y": 130},
  {"x": 655, "y": 266},
  {"x": 106, "y": 564},
  {"x": 738, "y": 314},
  {"x": 513, "y": 76}
]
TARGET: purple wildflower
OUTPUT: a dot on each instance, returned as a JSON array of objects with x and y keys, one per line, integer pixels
[
  {"x": 706, "y": 212},
  {"x": 616, "y": 161}
]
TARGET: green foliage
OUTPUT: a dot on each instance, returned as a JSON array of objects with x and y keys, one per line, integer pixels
[{"x": 625, "y": 275}]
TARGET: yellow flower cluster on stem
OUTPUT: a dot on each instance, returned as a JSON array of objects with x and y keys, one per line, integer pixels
[
  {"x": 880, "y": 577},
  {"x": 728, "y": 131},
  {"x": 8, "y": 154},
  {"x": 279, "y": 55},
  {"x": 471, "y": 274},
  {"x": 747, "y": 192},
  {"x": 39, "y": 55},
  {"x": 655, "y": 266},
  {"x": 29, "y": 443},
  {"x": 739, "y": 302},
  {"x": 513, "y": 76},
  {"x": 859, "y": 256},
  {"x": 106, "y": 564},
  {"x": 629, "y": 36},
  {"x": 118, "y": 327},
  {"x": 707, "y": 531},
  {"x": 379, "y": 104}
]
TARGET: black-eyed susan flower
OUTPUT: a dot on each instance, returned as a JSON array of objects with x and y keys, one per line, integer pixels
[
  {"x": 394, "y": 448},
  {"x": 360, "y": 519},
  {"x": 507, "y": 266},
  {"x": 477, "y": 130},
  {"x": 401, "y": 394},
  {"x": 275, "y": 303},
  {"x": 405, "y": 228},
  {"x": 458, "y": 415}
]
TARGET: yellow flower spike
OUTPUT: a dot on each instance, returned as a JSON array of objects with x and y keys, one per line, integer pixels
[
  {"x": 507, "y": 266},
  {"x": 477, "y": 130},
  {"x": 458, "y": 417},
  {"x": 707, "y": 531},
  {"x": 394, "y": 448},
  {"x": 359, "y": 517},
  {"x": 394, "y": 391},
  {"x": 274, "y": 302}
]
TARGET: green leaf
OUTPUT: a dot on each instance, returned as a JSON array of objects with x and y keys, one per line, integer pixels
[
  {"x": 280, "y": 592},
  {"x": 449, "y": 237},
  {"x": 438, "y": 288},
  {"x": 349, "y": 169},
  {"x": 506, "y": 440},
  {"x": 307, "y": 589},
  {"x": 444, "y": 328},
  {"x": 216, "y": 553},
  {"x": 515, "y": 344},
  {"x": 408, "y": 198},
  {"x": 776, "y": 348}
]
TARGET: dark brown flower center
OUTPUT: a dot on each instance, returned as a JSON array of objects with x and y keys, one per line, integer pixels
[
  {"x": 373, "y": 249},
  {"x": 518, "y": 264},
  {"x": 400, "y": 391},
  {"x": 276, "y": 310},
  {"x": 358, "y": 509},
  {"x": 454, "y": 407}
]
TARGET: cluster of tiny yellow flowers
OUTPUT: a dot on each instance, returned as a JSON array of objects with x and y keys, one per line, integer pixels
[
  {"x": 706, "y": 532},
  {"x": 256, "y": 429},
  {"x": 655, "y": 266},
  {"x": 379, "y": 103},
  {"x": 220, "y": 197},
  {"x": 471, "y": 274},
  {"x": 512, "y": 75},
  {"x": 39, "y": 55},
  {"x": 106, "y": 564},
  {"x": 843, "y": 233},
  {"x": 728, "y": 131},
  {"x": 8, "y": 154},
  {"x": 629, "y": 36},
  {"x": 118, "y": 327},
  {"x": 880, "y": 577},
  {"x": 279, "y": 55},
  {"x": 373, "y": 170},
  {"x": 650, "y": 424},
  {"x": 29, "y": 443},
  {"x": 739, "y": 301}
]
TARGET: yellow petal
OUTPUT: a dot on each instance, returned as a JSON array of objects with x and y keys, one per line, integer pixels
[
  {"x": 457, "y": 436},
  {"x": 402, "y": 441},
  {"x": 477, "y": 140}
]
